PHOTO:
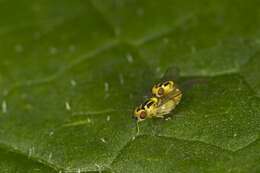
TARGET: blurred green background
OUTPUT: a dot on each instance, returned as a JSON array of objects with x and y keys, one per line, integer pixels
[{"x": 71, "y": 73}]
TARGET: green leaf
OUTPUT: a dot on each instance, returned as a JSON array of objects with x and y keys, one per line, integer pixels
[
  {"x": 13, "y": 161},
  {"x": 71, "y": 73}
]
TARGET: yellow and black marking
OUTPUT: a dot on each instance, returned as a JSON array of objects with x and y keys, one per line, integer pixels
[
  {"x": 147, "y": 109},
  {"x": 163, "y": 89}
]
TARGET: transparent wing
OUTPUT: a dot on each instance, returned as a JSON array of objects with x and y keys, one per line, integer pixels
[
  {"x": 174, "y": 94},
  {"x": 172, "y": 73}
]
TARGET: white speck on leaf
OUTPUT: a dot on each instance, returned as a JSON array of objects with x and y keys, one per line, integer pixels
[
  {"x": 73, "y": 83},
  {"x": 67, "y": 105},
  {"x": 18, "y": 48},
  {"x": 31, "y": 151},
  {"x": 158, "y": 70},
  {"x": 53, "y": 50},
  {"x": 103, "y": 140},
  {"x": 4, "y": 107},
  {"x": 78, "y": 123},
  {"x": 106, "y": 87},
  {"x": 108, "y": 118},
  {"x": 51, "y": 133},
  {"x": 129, "y": 58},
  {"x": 50, "y": 157},
  {"x": 89, "y": 120},
  {"x": 121, "y": 79}
]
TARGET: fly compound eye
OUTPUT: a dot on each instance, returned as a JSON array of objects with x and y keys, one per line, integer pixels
[
  {"x": 160, "y": 92},
  {"x": 142, "y": 114}
]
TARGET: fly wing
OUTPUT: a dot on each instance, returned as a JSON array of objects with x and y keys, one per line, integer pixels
[
  {"x": 174, "y": 95},
  {"x": 172, "y": 73},
  {"x": 166, "y": 108}
]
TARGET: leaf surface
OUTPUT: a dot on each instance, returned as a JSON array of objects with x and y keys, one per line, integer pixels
[{"x": 71, "y": 74}]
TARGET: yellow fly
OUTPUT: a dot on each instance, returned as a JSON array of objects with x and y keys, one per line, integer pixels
[
  {"x": 147, "y": 110},
  {"x": 165, "y": 97}
]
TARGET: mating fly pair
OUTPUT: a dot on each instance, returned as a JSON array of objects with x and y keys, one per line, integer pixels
[{"x": 165, "y": 97}]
